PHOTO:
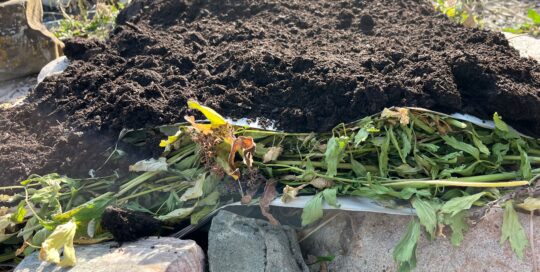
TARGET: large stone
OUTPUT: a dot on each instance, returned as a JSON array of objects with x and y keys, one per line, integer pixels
[
  {"x": 528, "y": 47},
  {"x": 365, "y": 242},
  {"x": 151, "y": 254},
  {"x": 25, "y": 44},
  {"x": 237, "y": 243}
]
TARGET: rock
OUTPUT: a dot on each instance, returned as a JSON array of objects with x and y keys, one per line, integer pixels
[
  {"x": 25, "y": 44},
  {"x": 237, "y": 243},
  {"x": 528, "y": 47},
  {"x": 151, "y": 254},
  {"x": 365, "y": 242}
]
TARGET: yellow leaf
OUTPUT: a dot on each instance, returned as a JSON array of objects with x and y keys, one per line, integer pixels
[
  {"x": 530, "y": 204},
  {"x": 205, "y": 129},
  {"x": 170, "y": 140},
  {"x": 402, "y": 114},
  {"x": 62, "y": 236},
  {"x": 214, "y": 117}
]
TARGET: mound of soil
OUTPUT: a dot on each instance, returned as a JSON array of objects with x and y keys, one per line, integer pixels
[{"x": 308, "y": 65}]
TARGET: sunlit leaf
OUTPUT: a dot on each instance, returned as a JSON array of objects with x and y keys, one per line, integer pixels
[
  {"x": 150, "y": 165},
  {"x": 530, "y": 204},
  {"x": 427, "y": 214},
  {"x": 405, "y": 251},
  {"x": 214, "y": 117},
  {"x": 61, "y": 237},
  {"x": 196, "y": 191},
  {"x": 176, "y": 215},
  {"x": 458, "y": 204},
  {"x": 333, "y": 154},
  {"x": 465, "y": 147},
  {"x": 330, "y": 196},
  {"x": 313, "y": 210},
  {"x": 513, "y": 231}
]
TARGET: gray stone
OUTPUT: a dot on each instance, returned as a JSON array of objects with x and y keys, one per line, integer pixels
[
  {"x": 527, "y": 46},
  {"x": 365, "y": 242},
  {"x": 151, "y": 254},
  {"x": 237, "y": 243},
  {"x": 25, "y": 44}
]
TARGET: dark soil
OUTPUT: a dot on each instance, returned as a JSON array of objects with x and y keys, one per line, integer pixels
[
  {"x": 308, "y": 65},
  {"x": 126, "y": 225}
]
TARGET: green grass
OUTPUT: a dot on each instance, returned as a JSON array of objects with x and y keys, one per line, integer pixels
[{"x": 97, "y": 26}]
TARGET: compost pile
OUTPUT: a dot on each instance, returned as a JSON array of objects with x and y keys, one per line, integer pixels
[{"x": 308, "y": 65}]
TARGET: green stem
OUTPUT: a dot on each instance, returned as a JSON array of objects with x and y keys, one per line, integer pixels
[
  {"x": 456, "y": 183},
  {"x": 346, "y": 166},
  {"x": 182, "y": 154},
  {"x": 135, "y": 182},
  {"x": 518, "y": 158},
  {"x": 160, "y": 188}
]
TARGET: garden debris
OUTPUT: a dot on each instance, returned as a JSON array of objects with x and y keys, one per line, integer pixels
[
  {"x": 397, "y": 163},
  {"x": 319, "y": 75}
]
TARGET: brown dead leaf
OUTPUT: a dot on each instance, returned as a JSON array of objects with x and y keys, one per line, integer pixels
[
  {"x": 268, "y": 195},
  {"x": 247, "y": 146},
  {"x": 21, "y": 249},
  {"x": 290, "y": 192}
]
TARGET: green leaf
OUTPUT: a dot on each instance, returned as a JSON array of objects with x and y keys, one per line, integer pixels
[
  {"x": 200, "y": 214},
  {"x": 210, "y": 200},
  {"x": 360, "y": 137},
  {"x": 405, "y": 251},
  {"x": 499, "y": 151},
  {"x": 27, "y": 232},
  {"x": 405, "y": 170},
  {"x": 429, "y": 147},
  {"x": 18, "y": 215},
  {"x": 333, "y": 154},
  {"x": 499, "y": 123},
  {"x": 92, "y": 209},
  {"x": 480, "y": 145},
  {"x": 176, "y": 215},
  {"x": 467, "y": 148},
  {"x": 458, "y": 225},
  {"x": 427, "y": 214},
  {"x": 395, "y": 143},
  {"x": 313, "y": 210},
  {"x": 358, "y": 169},
  {"x": 458, "y": 204},
  {"x": 534, "y": 16},
  {"x": 383, "y": 157},
  {"x": 513, "y": 231},
  {"x": 196, "y": 191},
  {"x": 406, "y": 144},
  {"x": 525, "y": 164},
  {"x": 464, "y": 170},
  {"x": 330, "y": 196}
]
